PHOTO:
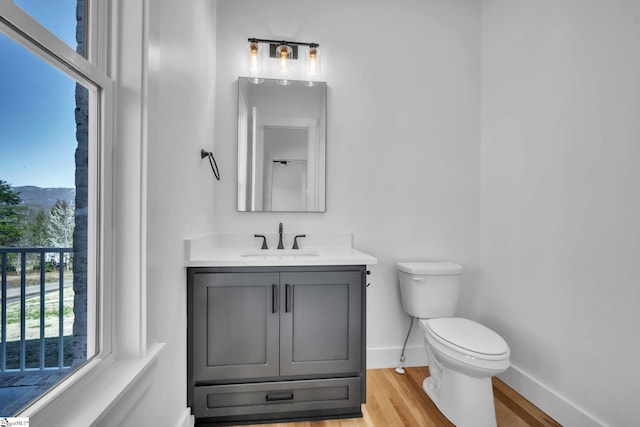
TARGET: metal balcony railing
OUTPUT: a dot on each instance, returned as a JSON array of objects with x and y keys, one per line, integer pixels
[{"x": 20, "y": 263}]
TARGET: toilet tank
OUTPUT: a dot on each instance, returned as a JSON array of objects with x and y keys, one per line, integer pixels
[{"x": 429, "y": 289}]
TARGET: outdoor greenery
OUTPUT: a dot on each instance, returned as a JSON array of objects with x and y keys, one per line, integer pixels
[
  {"x": 31, "y": 226},
  {"x": 32, "y": 315},
  {"x": 12, "y": 215},
  {"x": 32, "y": 354}
]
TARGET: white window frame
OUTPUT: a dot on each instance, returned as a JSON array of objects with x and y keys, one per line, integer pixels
[{"x": 116, "y": 229}]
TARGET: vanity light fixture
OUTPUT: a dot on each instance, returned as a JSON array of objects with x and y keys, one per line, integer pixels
[{"x": 283, "y": 54}]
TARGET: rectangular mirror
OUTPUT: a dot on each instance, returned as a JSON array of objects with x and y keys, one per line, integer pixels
[{"x": 281, "y": 146}]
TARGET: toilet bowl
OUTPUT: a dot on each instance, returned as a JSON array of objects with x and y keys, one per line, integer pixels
[
  {"x": 467, "y": 346},
  {"x": 463, "y": 355}
]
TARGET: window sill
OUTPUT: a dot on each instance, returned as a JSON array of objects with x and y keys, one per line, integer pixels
[{"x": 90, "y": 393}]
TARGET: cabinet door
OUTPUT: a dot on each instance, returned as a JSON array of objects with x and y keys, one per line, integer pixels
[
  {"x": 235, "y": 325},
  {"x": 320, "y": 322}
]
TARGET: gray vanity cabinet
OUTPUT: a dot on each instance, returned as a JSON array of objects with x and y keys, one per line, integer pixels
[{"x": 269, "y": 343}]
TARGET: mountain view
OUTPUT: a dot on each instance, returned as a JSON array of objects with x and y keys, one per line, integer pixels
[{"x": 45, "y": 197}]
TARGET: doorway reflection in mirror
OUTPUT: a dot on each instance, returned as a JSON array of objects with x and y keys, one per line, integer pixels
[{"x": 281, "y": 146}]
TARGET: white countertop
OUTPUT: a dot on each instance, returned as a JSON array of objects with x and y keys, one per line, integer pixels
[{"x": 242, "y": 250}]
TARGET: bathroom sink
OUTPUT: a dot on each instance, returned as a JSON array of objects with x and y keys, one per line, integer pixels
[
  {"x": 243, "y": 250},
  {"x": 279, "y": 253}
]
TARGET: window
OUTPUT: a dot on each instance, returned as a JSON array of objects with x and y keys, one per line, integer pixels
[
  {"x": 54, "y": 121},
  {"x": 64, "y": 18}
]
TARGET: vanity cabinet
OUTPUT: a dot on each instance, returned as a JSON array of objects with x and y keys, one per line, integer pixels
[{"x": 276, "y": 343}]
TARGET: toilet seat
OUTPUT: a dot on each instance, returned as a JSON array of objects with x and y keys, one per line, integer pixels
[{"x": 468, "y": 338}]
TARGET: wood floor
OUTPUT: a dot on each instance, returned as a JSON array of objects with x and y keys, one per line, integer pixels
[{"x": 395, "y": 400}]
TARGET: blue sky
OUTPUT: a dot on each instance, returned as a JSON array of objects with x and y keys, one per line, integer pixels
[{"x": 37, "y": 124}]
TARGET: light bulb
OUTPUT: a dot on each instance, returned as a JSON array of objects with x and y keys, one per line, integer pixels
[
  {"x": 254, "y": 62},
  {"x": 284, "y": 55},
  {"x": 312, "y": 65}
]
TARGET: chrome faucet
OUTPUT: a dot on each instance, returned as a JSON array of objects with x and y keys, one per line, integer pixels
[{"x": 280, "y": 245}]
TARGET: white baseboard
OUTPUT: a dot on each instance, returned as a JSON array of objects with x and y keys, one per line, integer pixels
[
  {"x": 389, "y": 357},
  {"x": 186, "y": 420},
  {"x": 557, "y": 407}
]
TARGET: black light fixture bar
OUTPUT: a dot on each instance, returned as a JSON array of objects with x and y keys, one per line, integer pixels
[
  {"x": 273, "y": 45},
  {"x": 279, "y": 42}
]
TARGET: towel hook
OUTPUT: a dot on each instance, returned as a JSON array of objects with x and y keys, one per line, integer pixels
[{"x": 212, "y": 162}]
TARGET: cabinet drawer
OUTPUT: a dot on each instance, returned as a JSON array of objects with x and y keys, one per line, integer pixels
[{"x": 286, "y": 398}]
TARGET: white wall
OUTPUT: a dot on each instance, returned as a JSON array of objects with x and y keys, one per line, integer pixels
[
  {"x": 541, "y": 196},
  {"x": 180, "y": 189},
  {"x": 560, "y": 218},
  {"x": 402, "y": 139}
]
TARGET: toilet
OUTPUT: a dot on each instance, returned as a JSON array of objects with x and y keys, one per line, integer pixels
[{"x": 463, "y": 355}]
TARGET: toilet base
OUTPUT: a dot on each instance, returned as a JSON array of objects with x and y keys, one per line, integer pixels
[
  {"x": 429, "y": 386},
  {"x": 465, "y": 401}
]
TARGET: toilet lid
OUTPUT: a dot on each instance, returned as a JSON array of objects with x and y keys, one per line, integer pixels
[
  {"x": 468, "y": 335},
  {"x": 430, "y": 268}
]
